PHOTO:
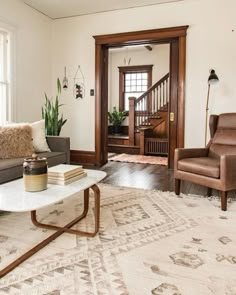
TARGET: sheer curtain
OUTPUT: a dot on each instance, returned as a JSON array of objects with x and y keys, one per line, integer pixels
[{"x": 4, "y": 78}]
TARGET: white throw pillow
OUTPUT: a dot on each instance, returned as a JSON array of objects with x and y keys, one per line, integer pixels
[{"x": 39, "y": 137}]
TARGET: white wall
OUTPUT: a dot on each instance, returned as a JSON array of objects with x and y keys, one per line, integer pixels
[
  {"x": 158, "y": 57},
  {"x": 211, "y": 43},
  {"x": 33, "y": 57}
]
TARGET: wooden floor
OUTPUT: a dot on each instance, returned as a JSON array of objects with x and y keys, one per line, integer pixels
[
  {"x": 148, "y": 177},
  {"x": 138, "y": 175}
]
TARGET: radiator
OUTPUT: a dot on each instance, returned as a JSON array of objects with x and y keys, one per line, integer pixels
[{"x": 156, "y": 146}]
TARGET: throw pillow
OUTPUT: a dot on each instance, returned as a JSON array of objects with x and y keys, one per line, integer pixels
[
  {"x": 16, "y": 141},
  {"x": 39, "y": 137}
]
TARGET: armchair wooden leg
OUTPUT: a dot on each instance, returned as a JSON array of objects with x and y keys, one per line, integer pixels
[
  {"x": 177, "y": 186},
  {"x": 209, "y": 191},
  {"x": 223, "y": 197}
]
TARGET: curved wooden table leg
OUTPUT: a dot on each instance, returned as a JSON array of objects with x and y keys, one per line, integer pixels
[
  {"x": 31, "y": 252},
  {"x": 96, "y": 191},
  {"x": 67, "y": 228},
  {"x": 77, "y": 219},
  {"x": 60, "y": 230}
]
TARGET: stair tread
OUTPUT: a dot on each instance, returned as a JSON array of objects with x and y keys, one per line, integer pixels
[
  {"x": 123, "y": 145},
  {"x": 118, "y": 136}
]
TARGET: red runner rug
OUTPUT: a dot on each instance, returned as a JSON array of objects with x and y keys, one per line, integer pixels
[{"x": 155, "y": 160}]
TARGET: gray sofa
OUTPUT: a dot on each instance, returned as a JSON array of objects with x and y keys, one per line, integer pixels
[{"x": 60, "y": 153}]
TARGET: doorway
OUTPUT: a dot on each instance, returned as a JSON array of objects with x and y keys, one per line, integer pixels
[
  {"x": 176, "y": 37},
  {"x": 138, "y": 90}
]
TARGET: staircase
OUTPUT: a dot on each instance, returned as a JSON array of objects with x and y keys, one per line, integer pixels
[
  {"x": 148, "y": 116},
  {"x": 147, "y": 132}
]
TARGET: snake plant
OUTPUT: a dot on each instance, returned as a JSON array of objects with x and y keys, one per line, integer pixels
[{"x": 50, "y": 113}]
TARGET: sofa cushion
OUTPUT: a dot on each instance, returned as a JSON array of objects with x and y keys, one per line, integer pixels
[
  {"x": 54, "y": 158},
  {"x": 16, "y": 141},
  {"x": 11, "y": 169},
  {"x": 39, "y": 137},
  {"x": 203, "y": 166}
]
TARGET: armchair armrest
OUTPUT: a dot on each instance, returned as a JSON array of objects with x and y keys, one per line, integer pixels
[
  {"x": 59, "y": 144},
  {"x": 228, "y": 171},
  {"x": 182, "y": 153}
]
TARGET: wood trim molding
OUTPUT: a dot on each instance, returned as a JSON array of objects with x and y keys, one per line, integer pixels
[
  {"x": 143, "y": 37},
  {"x": 83, "y": 157},
  {"x": 181, "y": 91},
  {"x": 98, "y": 87},
  {"x": 141, "y": 68},
  {"x": 173, "y": 104},
  {"x": 101, "y": 103}
]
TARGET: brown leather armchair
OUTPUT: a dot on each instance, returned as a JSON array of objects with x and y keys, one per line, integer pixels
[{"x": 213, "y": 166}]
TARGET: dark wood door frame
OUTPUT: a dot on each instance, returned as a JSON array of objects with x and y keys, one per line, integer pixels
[{"x": 176, "y": 37}]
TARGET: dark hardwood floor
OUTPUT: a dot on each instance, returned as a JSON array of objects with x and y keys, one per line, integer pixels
[
  {"x": 139, "y": 175},
  {"x": 149, "y": 177}
]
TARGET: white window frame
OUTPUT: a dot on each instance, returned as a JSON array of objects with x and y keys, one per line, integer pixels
[{"x": 10, "y": 76}]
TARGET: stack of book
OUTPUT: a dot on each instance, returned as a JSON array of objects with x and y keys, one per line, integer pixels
[{"x": 65, "y": 174}]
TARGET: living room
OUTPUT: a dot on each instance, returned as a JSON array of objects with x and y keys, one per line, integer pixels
[{"x": 41, "y": 48}]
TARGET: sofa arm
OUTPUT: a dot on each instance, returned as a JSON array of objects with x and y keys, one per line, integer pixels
[
  {"x": 228, "y": 171},
  {"x": 59, "y": 144}
]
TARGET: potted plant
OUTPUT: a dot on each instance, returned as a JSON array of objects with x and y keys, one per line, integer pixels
[
  {"x": 50, "y": 113},
  {"x": 115, "y": 119}
]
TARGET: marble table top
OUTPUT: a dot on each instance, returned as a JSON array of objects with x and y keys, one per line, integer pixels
[{"x": 14, "y": 198}]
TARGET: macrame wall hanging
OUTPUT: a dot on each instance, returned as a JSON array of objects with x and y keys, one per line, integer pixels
[{"x": 79, "y": 88}]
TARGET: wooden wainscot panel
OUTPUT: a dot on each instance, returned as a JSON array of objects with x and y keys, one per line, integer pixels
[{"x": 82, "y": 157}]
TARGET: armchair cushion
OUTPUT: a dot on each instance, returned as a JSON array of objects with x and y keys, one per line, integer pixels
[
  {"x": 202, "y": 165},
  {"x": 225, "y": 137}
]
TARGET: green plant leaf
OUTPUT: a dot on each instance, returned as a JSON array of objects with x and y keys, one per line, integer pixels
[
  {"x": 116, "y": 117},
  {"x": 58, "y": 86},
  {"x": 50, "y": 113}
]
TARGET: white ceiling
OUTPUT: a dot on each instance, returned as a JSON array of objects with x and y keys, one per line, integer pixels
[{"x": 67, "y": 8}]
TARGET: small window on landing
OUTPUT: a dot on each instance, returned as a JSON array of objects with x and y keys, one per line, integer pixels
[{"x": 134, "y": 81}]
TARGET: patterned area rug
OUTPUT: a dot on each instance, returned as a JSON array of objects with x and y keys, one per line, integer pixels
[
  {"x": 150, "y": 242},
  {"x": 140, "y": 159}
]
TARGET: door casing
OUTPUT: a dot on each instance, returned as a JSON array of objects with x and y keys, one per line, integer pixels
[{"x": 176, "y": 37}]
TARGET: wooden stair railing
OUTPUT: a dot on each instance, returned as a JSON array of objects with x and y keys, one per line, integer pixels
[{"x": 148, "y": 106}]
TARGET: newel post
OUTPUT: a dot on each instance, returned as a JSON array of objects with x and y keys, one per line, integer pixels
[{"x": 131, "y": 120}]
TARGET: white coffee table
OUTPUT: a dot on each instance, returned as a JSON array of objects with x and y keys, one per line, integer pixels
[{"x": 13, "y": 198}]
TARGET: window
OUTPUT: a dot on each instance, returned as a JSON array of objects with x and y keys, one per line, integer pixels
[
  {"x": 5, "y": 81},
  {"x": 134, "y": 81}
]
